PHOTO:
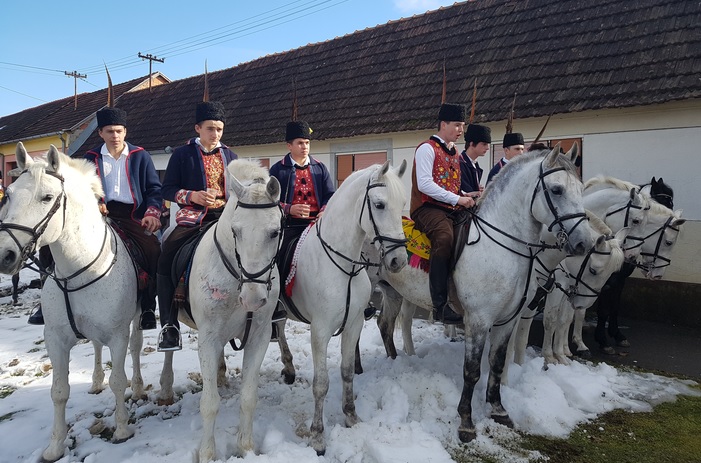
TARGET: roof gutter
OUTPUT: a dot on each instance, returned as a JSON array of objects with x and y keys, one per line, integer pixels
[{"x": 60, "y": 134}]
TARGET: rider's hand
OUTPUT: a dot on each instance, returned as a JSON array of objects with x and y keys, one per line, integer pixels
[
  {"x": 466, "y": 201},
  {"x": 300, "y": 210},
  {"x": 150, "y": 223},
  {"x": 202, "y": 198},
  {"x": 103, "y": 208}
]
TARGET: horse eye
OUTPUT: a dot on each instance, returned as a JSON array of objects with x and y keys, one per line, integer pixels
[
  {"x": 592, "y": 271},
  {"x": 668, "y": 243},
  {"x": 379, "y": 206},
  {"x": 557, "y": 190},
  {"x": 636, "y": 221},
  {"x": 275, "y": 234},
  {"x": 47, "y": 198}
]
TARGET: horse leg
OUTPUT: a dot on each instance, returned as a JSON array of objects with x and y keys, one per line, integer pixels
[
  {"x": 320, "y": 387},
  {"x": 209, "y": 352},
  {"x": 520, "y": 336},
  {"x": 387, "y": 319},
  {"x": 15, "y": 287},
  {"x": 499, "y": 340},
  {"x": 165, "y": 395},
  {"x": 118, "y": 384},
  {"x": 407, "y": 312},
  {"x": 136, "y": 341},
  {"x": 613, "y": 330},
  {"x": 221, "y": 371},
  {"x": 288, "y": 368},
  {"x": 349, "y": 338},
  {"x": 562, "y": 328},
  {"x": 475, "y": 337},
  {"x": 549, "y": 322},
  {"x": 59, "y": 354},
  {"x": 582, "y": 349},
  {"x": 253, "y": 356},
  {"x": 98, "y": 373},
  {"x": 358, "y": 364}
]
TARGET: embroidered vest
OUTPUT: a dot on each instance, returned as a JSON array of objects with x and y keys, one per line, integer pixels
[{"x": 446, "y": 174}]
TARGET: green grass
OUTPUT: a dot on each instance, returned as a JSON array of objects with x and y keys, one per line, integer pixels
[
  {"x": 6, "y": 391},
  {"x": 670, "y": 433}
]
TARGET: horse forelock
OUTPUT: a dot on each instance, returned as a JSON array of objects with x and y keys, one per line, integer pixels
[
  {"x": 248, "y": 172},
  {"x": 617, "y": 256},
  {"x": 598, "y": 225}
]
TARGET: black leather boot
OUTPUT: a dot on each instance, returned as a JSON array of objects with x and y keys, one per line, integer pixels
[
  {"x": 438, "y": 284},
  {"x": 169, "y": 337},
  {"x": 148, "y": 307}
]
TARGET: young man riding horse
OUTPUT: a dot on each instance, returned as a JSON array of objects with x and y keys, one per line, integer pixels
[
  {"x": 194, "y": 179},
  {"x": 435, "y": 197}
]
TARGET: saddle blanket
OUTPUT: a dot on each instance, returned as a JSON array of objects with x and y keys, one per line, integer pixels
[
  {"x": 290, "y": 280},
  {"x": 417, "y": 242}
]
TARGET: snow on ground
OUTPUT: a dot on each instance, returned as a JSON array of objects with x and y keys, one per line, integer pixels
[{"x": 408, "y": 406}]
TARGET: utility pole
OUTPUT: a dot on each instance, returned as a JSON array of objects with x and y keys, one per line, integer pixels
[
  {"x": 150, "y": 59},
  {"x": 75, "y": 76}
]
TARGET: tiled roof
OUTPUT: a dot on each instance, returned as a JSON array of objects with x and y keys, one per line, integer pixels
[
  {"x": 559, "y": 56},
  {"x": 58, "y": 115}
]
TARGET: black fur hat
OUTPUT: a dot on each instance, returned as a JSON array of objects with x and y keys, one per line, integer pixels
[
  {"x": 476, "y": 133},
  {"x": 111, "y": 116},
  {"x": 210, "y": 111},
  {"x": 511, "y": 139},
  {"x": 297, "y": 129},
  {"x": 452, "y": 112}
]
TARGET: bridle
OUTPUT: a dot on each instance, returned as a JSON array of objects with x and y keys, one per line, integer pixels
[
  {"x": 28, "y": 250},
  {"x": 573, "y": 290},
  {"x": 246, "y": 276},
  {"x": 627, "y": 207},
  {"x": 358, "y": 266},
  {"x": 656, "y": 254}
]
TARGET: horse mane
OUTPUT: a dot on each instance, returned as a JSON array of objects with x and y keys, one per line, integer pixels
[
  {"x": 602, "y": 180},
  {"x": 617, "y": 256},
  {"x": 500, "y": 182},
  {"x": 82, "y": 167},
  {"x": 598, "y": 225}
]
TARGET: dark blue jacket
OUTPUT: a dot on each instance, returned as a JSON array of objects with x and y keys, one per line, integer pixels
[
  {"x": 185, "y": 171},
  {"x": 144, "y": 184},
  {"x": 284, "y": 171},
  {"x": 469, "y": 176},
  {"x": 495, "y": 170}
]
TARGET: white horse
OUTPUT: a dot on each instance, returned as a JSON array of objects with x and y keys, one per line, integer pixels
[
  {"x": 577, "y": 281},
  {"x": 619, "y": 206},
  {"x": 332, "y": 288},
  {"x": 233, "y": 290},
  {"x": 53, "y": 202},
  {"x": 654, "y": 240},
  {"x": 491, "y": 276}
]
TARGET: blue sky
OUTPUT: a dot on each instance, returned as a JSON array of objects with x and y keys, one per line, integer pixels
[{"x": 38, "y": 45}]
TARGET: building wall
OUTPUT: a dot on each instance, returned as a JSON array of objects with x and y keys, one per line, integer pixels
[
  {"x": 34, "y": 147},
  {"x": 633, "y": 144}
]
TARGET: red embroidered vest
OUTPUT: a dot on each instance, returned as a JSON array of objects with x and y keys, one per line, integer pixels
[{"x": 446, "y": 174}]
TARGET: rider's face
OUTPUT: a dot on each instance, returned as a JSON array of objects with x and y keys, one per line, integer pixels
[
  {"x": 210, "y": 133},
  {"x": 113, "y": 136}
]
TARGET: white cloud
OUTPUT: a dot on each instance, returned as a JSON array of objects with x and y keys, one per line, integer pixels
[{"x": 420, "y": 6}]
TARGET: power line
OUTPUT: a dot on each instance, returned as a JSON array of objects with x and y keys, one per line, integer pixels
[{"x": 23, "y": 94}]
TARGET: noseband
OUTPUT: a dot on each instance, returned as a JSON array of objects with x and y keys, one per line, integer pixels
[
  {"x": 246, "y": 276},
  {"x": 396, "y": 242},
  {"x": 563, "y": 235},
  {"x": 573, "y": 289},
  {"x": 28, "y": 250},
  {"x": 655, "y": 255},
  {"x": 627, "y": 209}
]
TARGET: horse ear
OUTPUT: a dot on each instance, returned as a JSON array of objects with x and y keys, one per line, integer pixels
[
  {"x": 236, "y": 187},
  {"x": 24, "y": 160},
  {"x": 401, "y": 169},
  {"x": 633, "y": 193},
  {"x": 551, "y": 159},
  {"x": 384, "y": 169},
  {"x": 600, "y": 240},
  {"x": 653, "y": 182},
  {"x": 678, "y": 222},
  {"x": 273, "y": 188},
  {"x": 622, "y": 234},
  {"x": 53, "y": 157},
  {"x": 573, "y": 152}
]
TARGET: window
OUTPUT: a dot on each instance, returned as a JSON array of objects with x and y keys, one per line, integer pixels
[
  {"x": 346, "y": 164},
  {"x": 565, "y": 145}
]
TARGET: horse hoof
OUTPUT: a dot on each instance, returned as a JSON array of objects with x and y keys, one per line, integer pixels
[
  {"x": 467, "y": 435},
  {"x": 165, "y": 402},
  {"x": 503, "y": 420},
  {"x": 584, "y": 354},
  {"x": 358, "y": 370},
  {"x": 321, "y": 452},
  {"x": 623, "y": 343},
  {"x": 289, "y": 379}
]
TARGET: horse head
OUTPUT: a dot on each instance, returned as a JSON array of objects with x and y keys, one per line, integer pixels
[
  {"x": 250, "y": 230},
  {"x": 557, "y": 201},
  {"x": 384, "y": 201},
  {"x": 589, "y": 273},
  {"x": 36, "y": 204},
  {"x": 659, "y": 238},
  {"x": 661, "y": 192}
]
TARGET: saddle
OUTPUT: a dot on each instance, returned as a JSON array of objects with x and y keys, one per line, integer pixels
[
  {"x": 137, "y": 255},
  {"x": 182, "y": 264},
  {"x": 419, "y": 246}
]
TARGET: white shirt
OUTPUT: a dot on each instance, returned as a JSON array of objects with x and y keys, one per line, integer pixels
[
  {"x": 424, "y": 158},
  {"x": 116, "y": 179},
  {"x": 199, "y": 143}
]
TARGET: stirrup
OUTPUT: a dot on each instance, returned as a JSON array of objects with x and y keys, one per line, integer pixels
[{"x": 169, "y": 348}]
